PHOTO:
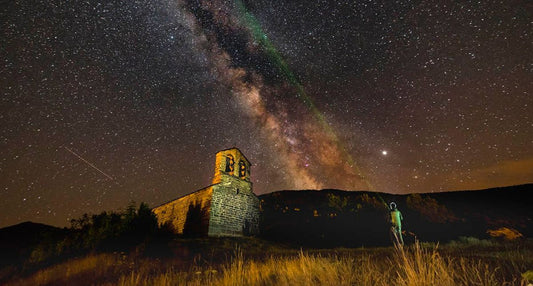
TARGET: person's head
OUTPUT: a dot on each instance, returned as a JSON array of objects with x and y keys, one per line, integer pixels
[{"x": 392, "y": 206}]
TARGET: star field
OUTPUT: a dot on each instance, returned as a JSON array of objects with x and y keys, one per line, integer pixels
[{"x": 397, "y": 97}]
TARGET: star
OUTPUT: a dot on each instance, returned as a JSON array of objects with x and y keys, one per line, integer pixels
[{"x": 146, "y": 92}]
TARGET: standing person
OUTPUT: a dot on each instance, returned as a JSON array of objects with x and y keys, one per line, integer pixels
[{"x": 396, "y": 221}]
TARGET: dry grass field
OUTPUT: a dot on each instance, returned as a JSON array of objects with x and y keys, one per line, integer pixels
[{"x": 465, "y": 262}]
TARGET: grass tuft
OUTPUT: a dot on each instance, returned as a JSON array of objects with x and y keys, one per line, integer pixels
[{"x": 412, "y": 265}]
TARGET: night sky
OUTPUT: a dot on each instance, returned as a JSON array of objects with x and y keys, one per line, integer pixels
[{"x": 109, "y": 102}]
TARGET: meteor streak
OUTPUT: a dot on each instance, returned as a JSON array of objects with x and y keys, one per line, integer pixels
[{"x": 89, "y": 163}]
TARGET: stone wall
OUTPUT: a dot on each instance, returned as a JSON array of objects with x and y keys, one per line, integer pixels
[
  {"x": 187, "y": 215},
  {"x": 226, "y": 208},
  {"x": 234, "y": 209}
]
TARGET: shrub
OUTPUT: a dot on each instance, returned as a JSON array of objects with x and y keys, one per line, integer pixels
[{"x": 107, "y": 231}]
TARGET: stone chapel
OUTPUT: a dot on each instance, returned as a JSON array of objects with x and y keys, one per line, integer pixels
[{"x": 228, "y": 207}]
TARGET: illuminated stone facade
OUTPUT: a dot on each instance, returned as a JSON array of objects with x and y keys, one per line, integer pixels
[{"x": 226, "y": 208}]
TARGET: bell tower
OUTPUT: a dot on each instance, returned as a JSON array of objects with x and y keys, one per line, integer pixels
[
  {"x": 231, "y": 166},
  {"x": 234, "y": 206}
]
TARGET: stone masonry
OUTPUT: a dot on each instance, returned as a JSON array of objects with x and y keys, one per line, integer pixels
[{"x": 226, "y": 208}]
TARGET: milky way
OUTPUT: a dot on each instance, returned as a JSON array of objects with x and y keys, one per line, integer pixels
[
  {"x": 255, "y": 77},
  {"x": 397, "y": 97}
]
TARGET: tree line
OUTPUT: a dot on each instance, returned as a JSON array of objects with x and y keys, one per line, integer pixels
[{"x": 107, "y": 231}]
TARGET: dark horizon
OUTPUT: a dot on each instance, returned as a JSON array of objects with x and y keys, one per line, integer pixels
[{"x": 530, "y": 185}]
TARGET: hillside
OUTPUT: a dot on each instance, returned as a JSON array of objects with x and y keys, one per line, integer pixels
[
  {"x": 330, "y": 218},
  {"x": 334, "y": 218},
  {"x": 17, "y": 241},
  {"x": 293, "y": 224}
]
